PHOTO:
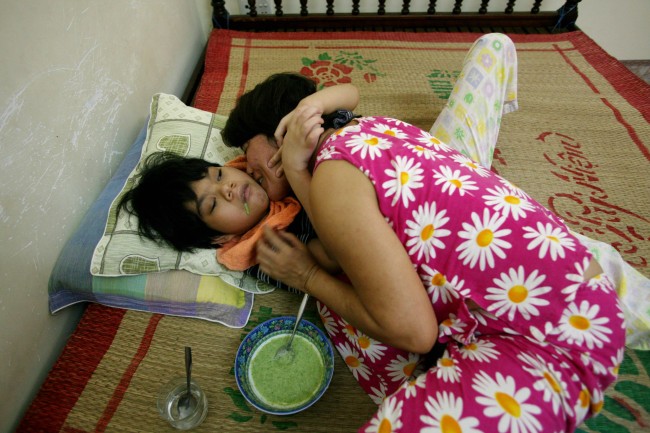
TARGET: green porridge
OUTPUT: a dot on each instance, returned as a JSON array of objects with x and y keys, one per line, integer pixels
[{"x": 286, "y": 382}]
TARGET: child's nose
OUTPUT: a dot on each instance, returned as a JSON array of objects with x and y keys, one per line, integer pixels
[{"x": 228, "y": 190}]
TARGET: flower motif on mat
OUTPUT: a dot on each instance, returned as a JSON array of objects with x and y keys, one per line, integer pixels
[
  {"x": 330, "y": 70},
  {"x": 442, "y": 82}
]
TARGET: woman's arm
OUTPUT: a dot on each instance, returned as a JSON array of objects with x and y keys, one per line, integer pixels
[
  {"x": 386, "y": 298},
  {"x": 327, "y": 263},
  {"x": 304, "y": 131},
  {"x": 299, "y": 132}
]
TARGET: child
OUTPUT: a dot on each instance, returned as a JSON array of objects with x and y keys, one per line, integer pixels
[{"x": 190, "y": 203}]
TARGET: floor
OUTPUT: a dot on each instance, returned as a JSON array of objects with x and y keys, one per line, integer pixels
[{"x": 640, "y": 68}]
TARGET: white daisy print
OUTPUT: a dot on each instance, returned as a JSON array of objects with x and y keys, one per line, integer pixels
[
  {"x": 405, "y": 176},
  {"x": 411, "y": 387},
  {"x": 480, "y": 350},
  {"x": 549, "y": 381},
  {"x": 387, "y": 418},
  {"x": 453, "y": 181},
  {"x": 377, "y": 395},
  {"x": 365, "y": 119},
  {"x": 389, "y": 130},
  {"x": 482, "y": 316},
  {"x": 327, "y": 319},
  {"x": 576, "y": 279},
  {"x": 517, "y": 292},
  {"x": 371, "y": 348},
  {"x": 471, "y": 164},
  {"x": 327, "y": 152},
  {"x": 484, "y": 240},
  {"x": 367, "y": 173},
  {"x": 597, "y": 401},
  {"x": 447, "y": 370},
  {"x": 437, "y": 285},
  {"x": 399, "y": 122},
  {"x": 346, "y": 130},
  {"x": 353, "y": 361},
  {"x": 503, "y": 400},
  {"x": 592, "y": 364},
  {"x": 367, "y": 144},
  {"x": 423, "y": 152},
  {"x": 514, "y": 188},
  {"x": 451, "y": 325},
  {"x": 616, "y": 362},
  {"x": 457, "y": 285},
  {"x": 349, "y": 331},
  {"x": 445, "y": 414},
  {"x": 425, "y": 231},
  {"x": 549, "y": 240},
  {"x": 598, "y": 283},
  {"x": 506, "y": 202},
  {"x": 401, "y": 368},
  {"x": 581, "y": 325},
  {"x": 539, "y": 334},
  {"x": 582, "y": 405},
  {"x": 429, "y": 140}
]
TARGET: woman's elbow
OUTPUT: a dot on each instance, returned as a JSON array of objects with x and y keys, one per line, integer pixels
[{"x": 423, "y": 340}]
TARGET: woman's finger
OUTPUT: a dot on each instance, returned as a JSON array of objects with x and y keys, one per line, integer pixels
[
  {"x": 273, "y": 239},
  {"x": 290, "y": 239}
]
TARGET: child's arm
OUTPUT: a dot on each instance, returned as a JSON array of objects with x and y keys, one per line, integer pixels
[{"x": 326, "y": 101}]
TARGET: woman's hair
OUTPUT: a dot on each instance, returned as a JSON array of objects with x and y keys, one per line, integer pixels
[
  {"x": 159, "y": 201},
  {"x": 260, "y": 110}
]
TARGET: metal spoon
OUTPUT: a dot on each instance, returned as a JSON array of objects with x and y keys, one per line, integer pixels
[
  {"x": 187, "y": 402},
  {"x": 285, "y": 351}
]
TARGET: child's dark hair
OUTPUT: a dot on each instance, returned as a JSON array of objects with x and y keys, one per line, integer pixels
[
  {"x": 260, "y": 110},
  {"x": 159, "y": 201}
]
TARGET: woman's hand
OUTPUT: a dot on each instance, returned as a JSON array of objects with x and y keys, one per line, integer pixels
[{"x": 283, "y": 257}]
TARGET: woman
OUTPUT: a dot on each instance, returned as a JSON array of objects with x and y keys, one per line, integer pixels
[{"x": 438, "y": 250}]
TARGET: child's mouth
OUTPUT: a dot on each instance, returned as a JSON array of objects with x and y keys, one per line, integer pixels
[{"x": 244, "y": 196}]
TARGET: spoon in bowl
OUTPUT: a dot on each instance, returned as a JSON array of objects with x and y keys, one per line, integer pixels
[
  {"x": 285, "y": 352},
  {"x": 187, "y": 401}
]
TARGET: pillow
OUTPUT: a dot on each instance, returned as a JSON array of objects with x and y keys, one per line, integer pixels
[
  {"x": 189, "y": 132},
  {"x": 177, "y": 292}
]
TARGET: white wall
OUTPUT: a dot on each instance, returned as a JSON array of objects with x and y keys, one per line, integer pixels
[
  {"x": 76, "y": 81},
  {"x": 620, "y": 27}
]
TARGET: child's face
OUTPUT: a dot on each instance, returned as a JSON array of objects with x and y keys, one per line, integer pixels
[{"x": 229, "y": 200}]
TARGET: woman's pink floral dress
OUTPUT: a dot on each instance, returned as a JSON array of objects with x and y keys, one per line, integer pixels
[{"x": 542, "y": 346}]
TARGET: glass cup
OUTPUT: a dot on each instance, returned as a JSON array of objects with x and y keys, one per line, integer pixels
[{"x": 167, "y": 403}]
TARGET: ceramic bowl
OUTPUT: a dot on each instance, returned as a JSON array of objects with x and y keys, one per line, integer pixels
[{"x": 271, "y": 329}]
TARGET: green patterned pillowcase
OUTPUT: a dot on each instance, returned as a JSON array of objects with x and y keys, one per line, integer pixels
[{"x": 186, "y": 131}]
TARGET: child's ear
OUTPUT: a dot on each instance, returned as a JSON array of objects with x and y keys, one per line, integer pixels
[{"x": 221, "y": 240}]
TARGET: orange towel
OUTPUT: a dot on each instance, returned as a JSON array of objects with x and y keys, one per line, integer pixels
[
  {"x": 239, "y": 252},
  {"x": 240, "y": 162}
]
